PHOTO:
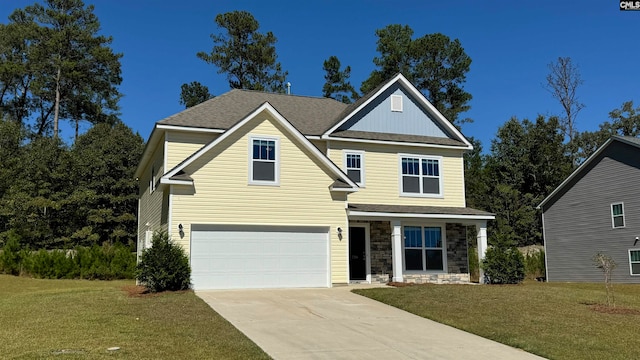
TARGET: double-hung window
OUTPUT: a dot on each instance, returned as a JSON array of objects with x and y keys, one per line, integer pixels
[
  {"x": 420, "y": 175},
  {"x": 354, "y": 164},
  {"x": 423, "y": 248},
  {"x": 264, "y": 161},
  {"x": 634, "y": 261},
  {"x": 617, "y": 215}
]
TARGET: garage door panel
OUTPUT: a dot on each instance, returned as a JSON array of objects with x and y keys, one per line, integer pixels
[{"x": 259, "y": 257}]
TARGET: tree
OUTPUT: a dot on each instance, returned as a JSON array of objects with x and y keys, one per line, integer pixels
[
  {"x": 625, "y": 122},
  {"x": 64, "y": 69},
  {"x": 337, "y": 85},
  {"x": 563, "y": 81},
  {"x": 434, "y": 63},
  {"x": 194, "y": 93},
  {"x": 606, "y": 264},
  {"x": 103, "y": 204},
  {"x": 247, "y": 56}
]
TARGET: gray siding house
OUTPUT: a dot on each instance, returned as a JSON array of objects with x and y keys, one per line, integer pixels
[{"x": 596, "y": 209}]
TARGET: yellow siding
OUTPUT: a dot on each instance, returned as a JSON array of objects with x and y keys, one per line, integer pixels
[
  {"x": 151, "y": 211},
  {"x": 222, "y": 195},
  {"x": 181, "y": 144},
  {"x": 382, "y": 180}
]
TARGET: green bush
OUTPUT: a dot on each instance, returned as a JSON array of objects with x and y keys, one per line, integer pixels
[
  {"x": 534, "y": 265},
  {"x": 474, "y": 265},
  {"x": 10, "y": 261},
  {"x": 503, "y": 262},
  {"x": 164, "y": 266}
]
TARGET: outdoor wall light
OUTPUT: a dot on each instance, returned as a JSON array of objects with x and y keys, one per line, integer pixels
[
  {"x": 181, "y": 229},
  {"x": 634, "y": 244},
  {"x": 339, "y": 233}
]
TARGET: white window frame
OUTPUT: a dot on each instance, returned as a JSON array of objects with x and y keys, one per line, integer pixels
[
  {"x": 396, "y": 99},
  {"x": 152, "y": 180},
  {"x": 276, "y": 175},
  {"x": 423, "y": 249},
  {"x": 360, "y": 153},
  {"x": 420, "y": 158},
  {"x": 624, "y": 220},
  {"x": 634, "y": 262}
]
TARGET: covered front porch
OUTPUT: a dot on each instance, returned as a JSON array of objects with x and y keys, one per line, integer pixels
[{"x": 418, "y": 244}]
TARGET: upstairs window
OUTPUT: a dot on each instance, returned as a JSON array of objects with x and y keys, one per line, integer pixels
[
  {"x": 354, "y": 164},
  {"x": 420, "y": 175},
  {"x": 617, "y": 215},
  {"x": 264, "y": 161},
  {"x": 152, "y": 180}
]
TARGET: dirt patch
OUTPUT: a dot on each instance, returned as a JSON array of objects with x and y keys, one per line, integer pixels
[
  {"x": 613, "y": 310},
  {"x": 141, "y": 291}
]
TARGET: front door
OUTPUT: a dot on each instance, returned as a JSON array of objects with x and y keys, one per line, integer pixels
[{"x": 357, "y": 254}]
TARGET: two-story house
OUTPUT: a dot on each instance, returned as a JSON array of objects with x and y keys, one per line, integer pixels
[{"x": 273, "y": 190}]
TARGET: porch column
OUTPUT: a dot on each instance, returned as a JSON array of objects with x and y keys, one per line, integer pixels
[
  {"x": 396, "y": 250},
  {"x": 481, "y": 228}
]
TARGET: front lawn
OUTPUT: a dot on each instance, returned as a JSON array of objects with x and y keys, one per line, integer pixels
[
  {"x": 554, "y": 320},
  {"x": 81, "y": 319}
]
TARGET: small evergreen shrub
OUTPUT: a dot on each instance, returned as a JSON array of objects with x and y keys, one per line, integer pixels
[
  {"x": 10, "y": 257},
  {"x": 503, "y": 262},
  {"x": 164, "y": 266},
  {"x": 534, "y": 264},
  {"x": 474, "y": 265}
]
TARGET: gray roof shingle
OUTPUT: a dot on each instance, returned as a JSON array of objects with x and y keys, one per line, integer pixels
[
  {"x": 310, "y": 115},
  {"x": 408, "y": 209}
]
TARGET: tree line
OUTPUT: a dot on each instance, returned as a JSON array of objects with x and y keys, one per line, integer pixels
[{"x": 55, "y": 66}]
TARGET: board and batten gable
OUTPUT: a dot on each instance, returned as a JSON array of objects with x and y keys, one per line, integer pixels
[
  {"x": 578, "y": 222},
  {"x": 378, "y": 116},
  {"x": 221, "y": 193},
  {"x": 382, "y": 174}
]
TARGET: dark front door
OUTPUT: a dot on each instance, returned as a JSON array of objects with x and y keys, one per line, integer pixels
[{"x": 357, "y": 254}]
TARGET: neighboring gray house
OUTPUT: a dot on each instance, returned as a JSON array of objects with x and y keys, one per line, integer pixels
[{"x": 596, "y": 209}]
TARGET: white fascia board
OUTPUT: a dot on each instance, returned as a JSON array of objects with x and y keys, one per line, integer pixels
[
  {"x": 424, "y": 216},
  {"x": 175, "y": 182},
  {"x": 400, "y": 143},
  {"x": 576, "y": 172},
  {"x": 156, "y": 135},
  {"x": 350, "y": 190},
  {"x": 188, "y": 128},
  {"x": 417, "y": 95},
  {"x": 282, "y": 121}
]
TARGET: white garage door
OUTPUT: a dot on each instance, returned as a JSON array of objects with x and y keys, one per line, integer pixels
[{"x": 240, "y": 257}]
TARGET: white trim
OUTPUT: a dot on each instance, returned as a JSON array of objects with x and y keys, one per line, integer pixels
[
  {"x": 276, "y": 162},
  {"x": 397, "y": 266},
  {"x": 365, "y": 214},
  {"x": 630, "y": 267},
  {"x": 170, "y": 212},
  {"x": 418, "y": 96},
  {"x": 175, "y": 182},
  {"x": 188, "y": 128},
  {"x": 165, "y": 150},
  {"x": 443, "y": 248},
  {"x": 420, "y": 176},
  {"x": 400, "y": 143},
  {"x": 282, "y": 121},
  {"x": 360, "y": 153},
  {"x": 624, "y": 220},
  {"x": 367, "y": 250}
]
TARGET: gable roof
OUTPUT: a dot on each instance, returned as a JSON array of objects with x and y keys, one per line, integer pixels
[
  {"x": 345, "y": 183},
  {"x": 629, "y": 140},
  {"x": 310, "y": 115},
  {"x": 354, "y": 108}
]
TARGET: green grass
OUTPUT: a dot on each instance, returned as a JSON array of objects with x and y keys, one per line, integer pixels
[
  {"x": 40, "y": 318},
  {"x": 554, "y": 320}
]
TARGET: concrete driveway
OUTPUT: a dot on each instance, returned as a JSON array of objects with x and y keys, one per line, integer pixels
[{"x": 337, "y": 324}]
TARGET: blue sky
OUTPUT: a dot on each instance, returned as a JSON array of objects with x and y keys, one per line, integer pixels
[{"x": 510, "y": 43}]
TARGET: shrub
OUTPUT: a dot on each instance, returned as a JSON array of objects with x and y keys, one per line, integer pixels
[
  {"x": 534, "y": 265},
  {"x": 503, "y": 262},
  {"x": 474, "y": 266},
  {"x": 164, "y": 266},
  {"x": 10, "y": 260}
]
